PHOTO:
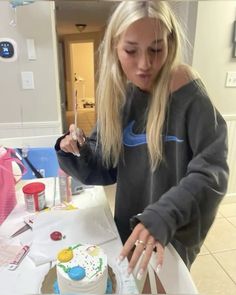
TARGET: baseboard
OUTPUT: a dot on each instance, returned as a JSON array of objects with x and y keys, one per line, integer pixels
[
  {"x": 25, "y": 129},
  {"x": 229, "y": 198},
  {"x": 32, "y": 134}
]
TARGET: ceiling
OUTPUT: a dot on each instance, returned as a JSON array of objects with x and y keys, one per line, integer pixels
[{"x": 92, "y": 13}]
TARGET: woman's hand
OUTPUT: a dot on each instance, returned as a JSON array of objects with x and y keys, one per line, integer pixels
[
  {"x": 71, "y": 142},
  {"x": 143, "y": 241}
]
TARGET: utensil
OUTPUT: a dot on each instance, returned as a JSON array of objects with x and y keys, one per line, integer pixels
[
  {"x": 19, "y": 257},
  {"x": 28, "y": 225},
  {"x": 75, "y": 109},
  {"x": 77, "y": 130}
]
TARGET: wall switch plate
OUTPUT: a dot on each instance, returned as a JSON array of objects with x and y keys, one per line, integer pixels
[
  {"x": 231, "y": 79},
  {"x": 27, "y": 79},
  {"x": 31, "y": 49}
]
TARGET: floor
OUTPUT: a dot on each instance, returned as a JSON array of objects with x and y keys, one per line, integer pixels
[{"x": 214, "y": 271}]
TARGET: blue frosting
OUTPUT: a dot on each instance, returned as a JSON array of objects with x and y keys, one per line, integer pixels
[
  {"x": 56, "y": 288},
  {"x": 109, "y": 286},
  {"x": 76, "y": 273}
]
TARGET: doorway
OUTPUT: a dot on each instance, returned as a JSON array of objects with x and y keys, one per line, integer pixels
[{"x": 81, "y": 59}]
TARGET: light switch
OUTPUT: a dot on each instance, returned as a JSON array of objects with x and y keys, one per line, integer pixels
[
  {"x": 31, "y": 49},
  {"x": 27, "y": 79},
  {"x": 231, "y": 79}
]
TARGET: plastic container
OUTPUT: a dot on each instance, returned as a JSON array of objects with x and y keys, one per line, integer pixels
[
  {"x": 34, "y": 194},
  {"x": 64, "y": 186}
]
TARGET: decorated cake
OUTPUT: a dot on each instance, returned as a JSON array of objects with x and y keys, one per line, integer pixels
[{"x": 81, "y": 269}]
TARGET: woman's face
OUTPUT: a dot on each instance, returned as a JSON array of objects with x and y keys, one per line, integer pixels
[{"x": 142, "y": 51}]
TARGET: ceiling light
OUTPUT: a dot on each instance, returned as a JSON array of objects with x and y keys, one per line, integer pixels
[{"x": 81, "y": 27}]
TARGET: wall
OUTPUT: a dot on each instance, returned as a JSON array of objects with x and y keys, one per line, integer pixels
[
  {"x": 37, "y": 111},
  {"x": 213, "y": 51},
  {"x": 213, "y": 58},
  {"x": 186, "y": 13}
]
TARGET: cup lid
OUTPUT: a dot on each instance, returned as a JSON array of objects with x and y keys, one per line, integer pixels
[{"x": 34, "y": 187}]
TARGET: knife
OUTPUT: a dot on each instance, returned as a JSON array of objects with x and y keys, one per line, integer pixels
[
  {"x": 28, "y": 225},
  {"x": 77, "y": 131}
]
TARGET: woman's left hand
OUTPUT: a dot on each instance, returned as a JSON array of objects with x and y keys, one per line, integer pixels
[{"x": 144, "y": 241}]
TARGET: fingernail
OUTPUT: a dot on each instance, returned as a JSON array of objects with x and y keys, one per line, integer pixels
[
  {"x": 120, "y": 259},
  {"x": 158, "y": 268},
  {"x": 140, "y": 274},
  {"x": 129, "y": 270},
  {"x": 74, "y": 136}
]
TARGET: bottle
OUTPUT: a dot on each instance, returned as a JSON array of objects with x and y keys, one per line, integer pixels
[{"x": 64, "y": 186}]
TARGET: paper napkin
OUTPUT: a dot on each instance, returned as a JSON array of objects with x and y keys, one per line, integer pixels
[{"x": 86, "y": 226}]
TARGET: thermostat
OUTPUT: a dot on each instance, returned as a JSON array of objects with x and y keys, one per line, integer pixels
[{"x": 8, "y": 50}]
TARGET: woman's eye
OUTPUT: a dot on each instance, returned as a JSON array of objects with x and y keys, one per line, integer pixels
[
  {"x": 155, "y": 50},
  {"x": 130, "y": 51}
]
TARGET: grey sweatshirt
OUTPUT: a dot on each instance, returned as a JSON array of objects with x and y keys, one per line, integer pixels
[{"x": 179, "y": 200}]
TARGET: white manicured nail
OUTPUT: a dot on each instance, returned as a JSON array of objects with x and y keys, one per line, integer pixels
[
  {"x": 119, "y": 259},
  {"x": 140, "y": 274},
  {"x": 158, "y": 268},
  {"x": 129, "y": 270}
]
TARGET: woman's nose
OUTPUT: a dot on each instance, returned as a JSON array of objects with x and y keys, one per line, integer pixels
[{"x": 144, "y": 62}]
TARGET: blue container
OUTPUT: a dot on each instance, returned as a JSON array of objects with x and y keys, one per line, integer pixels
[{"x": 44, "y": 159}]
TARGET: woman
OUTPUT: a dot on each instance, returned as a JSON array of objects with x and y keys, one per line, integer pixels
[{"x": 158, "y": 136}]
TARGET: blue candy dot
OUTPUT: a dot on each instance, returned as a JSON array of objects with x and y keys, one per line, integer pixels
[
  {"x": 56, "y": 288},
  {"x": 109, "y": 286},
  {"x": 76, "y": 273}
]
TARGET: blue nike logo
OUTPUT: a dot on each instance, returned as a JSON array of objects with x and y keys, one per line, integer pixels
[
  {"x": 131, "y": 139},
  {"x": 172, "y": 138}
]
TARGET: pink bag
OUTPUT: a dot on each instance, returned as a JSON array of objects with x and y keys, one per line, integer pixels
[{"x": 7, "y": 182}]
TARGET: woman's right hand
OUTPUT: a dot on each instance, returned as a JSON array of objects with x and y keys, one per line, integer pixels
[{"x": 73, "y": 141}]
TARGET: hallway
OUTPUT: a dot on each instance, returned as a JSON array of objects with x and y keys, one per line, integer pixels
[{"x": 86, "y": 119}]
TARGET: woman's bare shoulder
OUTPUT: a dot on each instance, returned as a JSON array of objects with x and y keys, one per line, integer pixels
[{"x": 181, "y": 75}]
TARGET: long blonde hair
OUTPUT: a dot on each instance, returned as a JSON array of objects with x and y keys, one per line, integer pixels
[{"x": 112, "y": 83}]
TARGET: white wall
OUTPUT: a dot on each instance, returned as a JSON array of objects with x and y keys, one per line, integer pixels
[
  {"x": 186, "y": 13},
  {"x": 30, "y": 112},
  {"x": 213, "y": 58},
  {"x": 213, "y": 51}
]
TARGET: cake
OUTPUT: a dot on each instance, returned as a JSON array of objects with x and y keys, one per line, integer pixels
[{"x": 82, "y": 269}]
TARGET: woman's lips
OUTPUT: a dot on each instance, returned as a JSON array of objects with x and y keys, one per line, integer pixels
[{"x": 144, "y": 75}]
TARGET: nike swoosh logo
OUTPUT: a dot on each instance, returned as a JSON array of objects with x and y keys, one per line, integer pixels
[{"x": 131, "y": 139}]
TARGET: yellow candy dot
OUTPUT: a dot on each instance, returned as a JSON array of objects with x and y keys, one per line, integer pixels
[
  {"x": 93, "y": 251},
  {"x": 65, "y": 255}
]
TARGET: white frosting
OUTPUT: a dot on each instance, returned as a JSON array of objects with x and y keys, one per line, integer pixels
[{"x": 94, "y": 262}]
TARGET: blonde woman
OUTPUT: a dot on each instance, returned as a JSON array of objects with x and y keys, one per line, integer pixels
[{"x": 158, "y": 136}]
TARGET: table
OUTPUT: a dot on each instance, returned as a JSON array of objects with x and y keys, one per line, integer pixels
[{"x": 28, "y": 278}]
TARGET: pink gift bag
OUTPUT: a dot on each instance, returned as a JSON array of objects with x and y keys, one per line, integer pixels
[{"x": 7, "y": 182}]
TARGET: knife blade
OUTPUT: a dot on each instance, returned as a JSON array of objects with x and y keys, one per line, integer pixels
[
  {"x": 21, "y": 230},
  {"x": 28, "y": 225}
]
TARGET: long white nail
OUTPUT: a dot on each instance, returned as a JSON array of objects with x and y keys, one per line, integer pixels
[
  {"x": 119, "y": 259},
  {"x": 129, "y": 270},
  {"x": 158, "y": 268},
  {"x": 140, "y": 274}
]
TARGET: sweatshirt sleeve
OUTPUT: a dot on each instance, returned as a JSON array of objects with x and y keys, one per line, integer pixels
[
  {"x": 186, "y": 211},
  {"x": 88, "y": 167}
]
